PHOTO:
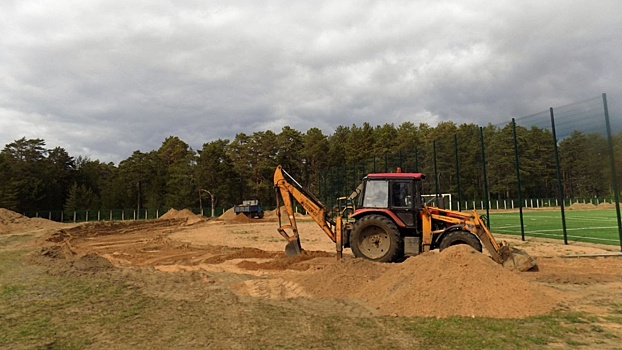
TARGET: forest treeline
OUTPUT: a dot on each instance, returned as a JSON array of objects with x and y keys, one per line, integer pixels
[{"x": 33, "y": 177}]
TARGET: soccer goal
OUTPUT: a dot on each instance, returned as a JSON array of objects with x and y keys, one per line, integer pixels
[{"x": 443, "y": 200}]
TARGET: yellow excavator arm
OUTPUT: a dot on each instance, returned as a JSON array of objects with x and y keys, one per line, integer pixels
[
  {"x": 289, "y": 190},
  {"x": 501, "y": 253}
]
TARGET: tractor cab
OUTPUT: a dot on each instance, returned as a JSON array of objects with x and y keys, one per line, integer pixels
[{"x": 396, "y": 195}]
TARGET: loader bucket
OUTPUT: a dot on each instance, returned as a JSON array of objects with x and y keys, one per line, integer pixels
[
  {"x": 293, "y": 247},
  {"x": 516, "y": 259}
]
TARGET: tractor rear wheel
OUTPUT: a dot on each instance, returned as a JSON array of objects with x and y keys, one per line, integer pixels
[
  {"x": 376, "y": 238},
  {"x": 460, "y": 237}
]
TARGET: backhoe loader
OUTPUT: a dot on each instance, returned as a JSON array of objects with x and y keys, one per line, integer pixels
[{"x": 391, "y": 222}]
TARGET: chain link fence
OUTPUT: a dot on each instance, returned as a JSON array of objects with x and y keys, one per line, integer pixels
[
  {"x": 68, "y": 216},
  {"x": 552, "y": 174}
]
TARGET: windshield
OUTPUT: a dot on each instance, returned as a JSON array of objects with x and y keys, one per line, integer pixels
[{"x": 376, "y": 195}]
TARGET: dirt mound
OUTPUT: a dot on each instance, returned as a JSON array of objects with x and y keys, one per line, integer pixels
[
  {"x": 231, "y": 217},
  {"x": 274, "y": 213},
  {"x": 92, "y": 262},
  {"x": 173, "y": 214},
  {"x": 347, "y": 279},
  {"x": 228, "y": 215},
  {"x": 8, "y": 217},
  {"x": 59, "y": 260},
  {"x": 11, "y": 222},
  {"x": 457, "y": 282},
  {"x": 581, "y": 206},
  {"x": 184, "y": 214},
  {"x": 605, "y": 205},
  {"x": 241, "y": 219}
]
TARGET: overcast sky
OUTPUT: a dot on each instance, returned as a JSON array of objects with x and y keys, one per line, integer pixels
[{"x": 105, "y": 78}]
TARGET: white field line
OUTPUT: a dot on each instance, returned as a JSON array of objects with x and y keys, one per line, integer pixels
[
  {"x": 559, "y": 229},
  {"x": 575, "y": 237},
  {"x": 582, "y": 218},
  {"x": 587, "y": 228},
  {"x": 543, "y": 233},
  {"x": 506, "y": 227},
  {"x": 559, "y": 236}
]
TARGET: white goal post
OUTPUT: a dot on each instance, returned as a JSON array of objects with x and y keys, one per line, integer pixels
[{"x": 442, "y": 201}]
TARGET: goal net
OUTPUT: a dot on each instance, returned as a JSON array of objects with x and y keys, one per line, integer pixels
[{"x": 443, "y": 200}]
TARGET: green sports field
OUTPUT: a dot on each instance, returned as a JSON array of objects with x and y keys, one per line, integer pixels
[{"x": 595, "y": 226}]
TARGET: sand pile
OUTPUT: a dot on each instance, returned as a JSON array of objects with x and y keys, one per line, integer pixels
[
  {"x": 581, "y": 206},
  {"x": 11, "y": 222},
  {"x": 457, "y": 282},
  {"x": 184, "y": 214},
  {"x": 9, "y": 217},
  {"x": 605, "y": 205},
  {"x": 228, "y": 215},
  {"x": 241, "y": 219},
  {"x": 274, "y": 213},
  {"x": 231, "y": 216}
]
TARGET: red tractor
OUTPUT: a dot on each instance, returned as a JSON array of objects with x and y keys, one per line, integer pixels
[{"x": 391, "y": 221}]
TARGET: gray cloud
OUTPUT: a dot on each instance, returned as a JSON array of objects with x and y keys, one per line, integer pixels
[{"x": 105, "y": 78}]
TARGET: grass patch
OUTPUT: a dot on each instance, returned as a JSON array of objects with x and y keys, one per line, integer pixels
[
  {"x": 42, "y": 310},
  {"x": 594, "y": 226}
]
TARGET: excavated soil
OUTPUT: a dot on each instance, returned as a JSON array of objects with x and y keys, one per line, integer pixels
[
  {"x": 457, "y": 282},
  {"x": 246, "y": 256},
  {"x": 12, "y": 222},
  {"x": 581, "y": 206}
]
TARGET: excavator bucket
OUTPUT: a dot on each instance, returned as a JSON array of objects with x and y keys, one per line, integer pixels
[
  {"x": 516, "y": 259},
  {"x": 293, "y": 247}
]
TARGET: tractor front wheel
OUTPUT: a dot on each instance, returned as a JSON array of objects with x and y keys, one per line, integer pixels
[
  {"x": 460, "y": 237},
  {"x": 376, "y": 238}
]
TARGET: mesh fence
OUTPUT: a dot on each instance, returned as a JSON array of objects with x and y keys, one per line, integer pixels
[
  {"x": 551, "y": 174},
  {"x": 112, "y": 214}
]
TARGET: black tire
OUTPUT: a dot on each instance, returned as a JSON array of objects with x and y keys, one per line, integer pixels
[
  {"x": 460, "y": 237},
  {"x": 376, "y": 238}
]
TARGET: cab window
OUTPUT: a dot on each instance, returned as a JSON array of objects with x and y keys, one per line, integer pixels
[
  {"x": 376, "y": 195},
  {"x": 402, "y": 194}
]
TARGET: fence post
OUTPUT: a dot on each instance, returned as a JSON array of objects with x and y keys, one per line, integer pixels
[
  {"x": 518, "y": 184},
  {"x": 457, "y": 170},
  {"x": 355, "y": 181},
  {"x": 486, "y": 194},
  {"x": 616, "y": 192},
  {"x": 559, "y": 176},
  {"x": 416, "y": 160},
  {"x": 345, "y": 180},
  {"x": 436, "y": 193}
]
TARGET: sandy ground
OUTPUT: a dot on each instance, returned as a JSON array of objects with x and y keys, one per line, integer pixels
[{"x": 456, "y": 282}]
